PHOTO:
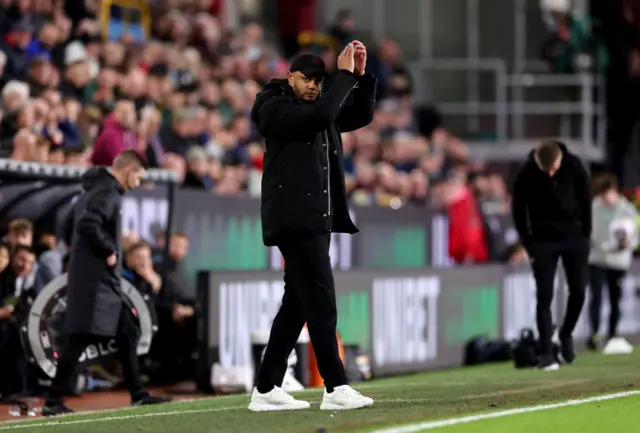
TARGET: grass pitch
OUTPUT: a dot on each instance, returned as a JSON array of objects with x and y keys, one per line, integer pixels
[{"x": 409, "y": 404}]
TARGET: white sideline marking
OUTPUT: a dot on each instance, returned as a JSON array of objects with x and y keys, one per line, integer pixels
[
  {"x": 414, "y": 428},
  {"x": 430, "y": 425},
  {"x": 64, "y": 420}
]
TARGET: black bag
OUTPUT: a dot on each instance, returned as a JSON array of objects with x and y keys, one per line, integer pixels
[
  {"x": 525, "y": 352},
  {"x": 481, "y": 350}
]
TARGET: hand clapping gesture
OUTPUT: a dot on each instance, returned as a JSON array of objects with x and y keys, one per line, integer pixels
[{"x": 360, "y": 58}]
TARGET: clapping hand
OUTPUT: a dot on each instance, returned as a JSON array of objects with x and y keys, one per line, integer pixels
[
  {"x": 360, "y": 58},
  {"x": 346, "y": 59}
]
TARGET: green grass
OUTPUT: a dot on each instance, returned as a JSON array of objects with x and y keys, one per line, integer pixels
[{"x": 405, "y": 400}]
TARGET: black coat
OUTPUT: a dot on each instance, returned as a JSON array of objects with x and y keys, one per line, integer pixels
[
  {"x": 552, "y": 209},
  {"x": 94, "y": 298},
  {"x": 303, "y": 185}
]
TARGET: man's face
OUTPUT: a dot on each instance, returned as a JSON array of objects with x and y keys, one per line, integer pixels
[
  {"x": 199, "y": 167},
  {"x": 20, "y": 238},
  {"x": 610, "y": 196},
  {"x": 139, "y": 258},
  {"x": 306, "y": 88},
  {"x": 23, "y": 262},
  {"x": 179, "y": 248},
  {"x": 553, "y": 169},
  {"x": 134, "y": 177}
]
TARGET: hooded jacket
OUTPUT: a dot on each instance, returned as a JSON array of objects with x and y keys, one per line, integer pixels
[
  {"x": 303, "y": 185},
  {"x": 94, "y": 299},
  {"x": 552, "y": 208}
]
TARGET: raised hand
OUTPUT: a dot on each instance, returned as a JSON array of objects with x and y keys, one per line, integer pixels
[
  {"x": 346, "y": 60},
  {"x": 360, "y": 58}
]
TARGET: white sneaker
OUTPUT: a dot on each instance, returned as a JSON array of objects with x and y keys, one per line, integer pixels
[
  {"x": 344, "y": 397},
  {"x": 275, "y": 400}
]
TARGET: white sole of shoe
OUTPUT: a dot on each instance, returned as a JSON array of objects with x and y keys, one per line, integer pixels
[
  {"x": 262, "y": 407},
  {"x": 551, "y": 367},
  {"x": 333, "y": 406}
]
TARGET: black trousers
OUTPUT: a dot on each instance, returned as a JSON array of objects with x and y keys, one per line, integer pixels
[
  {"x": 613, "y": 278},
  {"x": 309, "y": 297},
  {"x": 126, "y": 343},
  {"x": 545, "y": 256},
  {"x": 13, "y": 364}
]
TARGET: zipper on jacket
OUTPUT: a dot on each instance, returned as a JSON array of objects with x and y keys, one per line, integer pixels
[
  {"x": 326, "y": 147},
  {"x": 348, "y": 93}
]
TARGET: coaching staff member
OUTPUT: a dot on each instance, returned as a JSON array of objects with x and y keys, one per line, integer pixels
[
  {"x": 552, "y": 213},
  {"x": 95, "y": 305},
  {"x": 303, "y": 201}
]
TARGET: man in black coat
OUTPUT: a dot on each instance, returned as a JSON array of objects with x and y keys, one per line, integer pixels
[
  {"x": 552, "y": 214},
  {"x": 303, "y": 201},
  {"x": 96, "y": 307}
]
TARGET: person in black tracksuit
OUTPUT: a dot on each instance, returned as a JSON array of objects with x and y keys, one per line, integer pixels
[
  {"x": 552, "y": 214},
  {"x": 304, "y": 200},
  {"x": 96, "y": 307}
]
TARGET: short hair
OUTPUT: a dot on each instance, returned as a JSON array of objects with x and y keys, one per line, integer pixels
[
  {"x": 136, "y": 246},
  {"x": 179, "y": 235},
  {"x": 127, "y": 158},
  {"x": 20, "y": 225},
  {"x": 548, "y": 152},
  {"x": 609, "y": 181},
  {"x": 24, "y": 248},
  {"x": 603, "y": 182}
]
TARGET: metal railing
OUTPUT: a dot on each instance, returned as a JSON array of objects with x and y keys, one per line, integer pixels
[{"x": 512, "y": 112}]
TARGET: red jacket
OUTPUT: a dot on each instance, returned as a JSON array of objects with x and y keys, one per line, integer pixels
[
  {"x": 467, "y": 241},
  {"x": 113, "y": 139}
]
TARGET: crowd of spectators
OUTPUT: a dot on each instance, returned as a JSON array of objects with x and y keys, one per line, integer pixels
[{"x": 182, "y": 97}]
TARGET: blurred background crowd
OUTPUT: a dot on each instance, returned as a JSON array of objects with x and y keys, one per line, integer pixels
[{"x": 77, "y": 93}]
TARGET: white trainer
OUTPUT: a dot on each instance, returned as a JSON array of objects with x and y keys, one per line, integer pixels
[
  {"x": 275, "y": 400},
  {"x": 344, "y": 397}
]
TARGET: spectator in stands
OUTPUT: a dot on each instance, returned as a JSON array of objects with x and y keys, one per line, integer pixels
[
  {"x": 19, "y": 232},
  {"x": 140, "y": 272},
  {"x": 40, "y": 75},
  {"x": 49, "y": 259},
  {"x": 198, "y": 170},
  {"x": 24, "y": 146},
  {"x": 117, "y": 134},
  {"x": 17, "y": 283},
  {"x": 467, "y": 237},
  {"x": 21, "y": 275},
  {"x": 570, "y": 46},
  {"x": 342, "y": 30},
  {"x": 394, "y": 78},
  {"x": 175, "y": 343},
  {"x": 15, "y": 47}
]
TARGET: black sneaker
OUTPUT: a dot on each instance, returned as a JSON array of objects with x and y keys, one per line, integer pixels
[
  {"x": 567, "y": 353},
  {"x": 548, "y": 363},
  {"x": 55, "y": 409},
  {"x": 146, "y": 399}
]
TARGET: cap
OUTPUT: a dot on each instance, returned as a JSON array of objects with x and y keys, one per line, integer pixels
[
  {"x": 75, "y": 53},
  {"x": 308, "y": 64},
  {"x": 40, "y": 58},
  {"x": 24, "y": 25}
]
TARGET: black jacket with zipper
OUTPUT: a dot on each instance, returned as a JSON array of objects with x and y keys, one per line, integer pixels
[
  {"x": 303, "y": 184},
  {"x": 552, "y": 209}
]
